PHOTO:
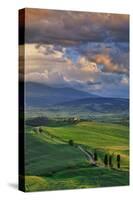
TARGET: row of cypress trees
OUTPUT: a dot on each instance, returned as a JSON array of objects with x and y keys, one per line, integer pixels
[{"x": 108, "y": 160}]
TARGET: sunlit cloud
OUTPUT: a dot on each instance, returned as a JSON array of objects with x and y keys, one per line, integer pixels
[{"x": 87, "y": 51}]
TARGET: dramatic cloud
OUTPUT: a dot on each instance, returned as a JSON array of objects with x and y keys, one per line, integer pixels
[
  {"x": 50, "y": 60},
  {"x": 69, "y": 28},
  {"x": 53, "y": 65},
  {"x": 86, "y": 65},
  {"x": 108, "y": 65},
  {"x": 87, "y": 51}
]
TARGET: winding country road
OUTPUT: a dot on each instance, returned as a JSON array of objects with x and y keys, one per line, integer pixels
[{"x": 87, "y": 154}]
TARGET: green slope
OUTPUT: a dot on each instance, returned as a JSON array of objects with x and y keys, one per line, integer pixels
[
  {"x": 78, "y": 178},
  {"x": 51, "y": 163},
  {"x": 109, "y": 138},
  {"x": 45, "y": 155}
]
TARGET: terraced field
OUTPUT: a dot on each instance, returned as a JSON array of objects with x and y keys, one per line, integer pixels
[{"x": 52, "y": 163}]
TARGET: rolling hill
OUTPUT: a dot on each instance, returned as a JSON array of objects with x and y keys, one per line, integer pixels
[
  {"x": 97, "y": 105},
  {"x": 51, "y": 163}
]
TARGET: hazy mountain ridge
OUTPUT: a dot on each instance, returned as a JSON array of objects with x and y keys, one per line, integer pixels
[
  {"x": 64, "y": 99},
  {"x": 39, "y": 95},
  {"x": 100, "y": 105}
]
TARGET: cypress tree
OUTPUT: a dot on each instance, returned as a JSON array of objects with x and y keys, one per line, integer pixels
[
  {"x": 95, "y": 156},
  {"x": 106, "y": 160},
  {"x": 118, "y": 161},
  {"x": 110, "y": 161},
  {"x": 71, "y": 142}
]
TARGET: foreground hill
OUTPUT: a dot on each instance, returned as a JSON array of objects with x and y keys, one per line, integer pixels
[{"x": 51, "y": 163}]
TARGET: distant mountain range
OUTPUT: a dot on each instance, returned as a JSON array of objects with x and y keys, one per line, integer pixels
[
  {"x": 41, "y": 95},
  {"x": 64, "y": 99},
  {"x": 98, "y": 105}
]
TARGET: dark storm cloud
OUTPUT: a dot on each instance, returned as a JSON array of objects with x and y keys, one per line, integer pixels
[
  {"x": 70, "y": 28},
  {"x": 101, "y": 38}
]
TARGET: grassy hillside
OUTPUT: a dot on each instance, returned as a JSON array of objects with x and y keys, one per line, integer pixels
[
  {"x": 51, "y": 163},
  {"x": 78, "y": 178},
  {"x": 111, "y": 138},
  {"x": 45, "y": 155}
]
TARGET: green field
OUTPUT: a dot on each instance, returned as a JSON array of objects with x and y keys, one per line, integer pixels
[{"x": 52, "y": 163}]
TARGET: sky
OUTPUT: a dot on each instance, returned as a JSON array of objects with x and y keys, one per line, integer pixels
[{"x": 84, "y": 50}]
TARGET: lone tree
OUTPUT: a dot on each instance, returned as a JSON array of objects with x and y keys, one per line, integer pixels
[
  {"x": 71, "y": 142},
  {"x": 40, "y": 130},
  {"x": 106, "y": 160},
  {"x": 95, "y": 156},
  {"x": 110, "y": 161},
  {"x": 118, "y": 160}
]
